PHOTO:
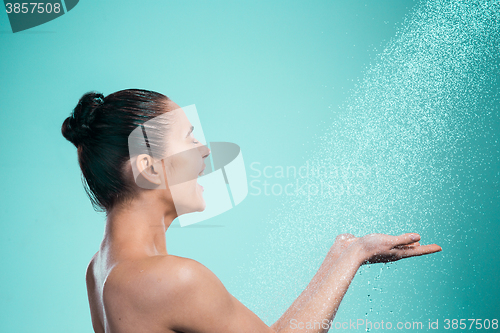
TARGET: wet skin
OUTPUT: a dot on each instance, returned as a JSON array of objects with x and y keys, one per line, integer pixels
[{"x": 135, "y": 285}]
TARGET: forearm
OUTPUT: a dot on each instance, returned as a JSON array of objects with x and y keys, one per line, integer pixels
[
  {"x": 320, "y": 300},
  {"x": 311, "y": 288}
]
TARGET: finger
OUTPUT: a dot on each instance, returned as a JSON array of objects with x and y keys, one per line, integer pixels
[
  {"x": 420, "y": 250},
  {"x": 406, "y": 239},
  {"x": 407, "y": 246}
]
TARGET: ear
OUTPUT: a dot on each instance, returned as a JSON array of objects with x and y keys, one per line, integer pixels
[{"x": 149, "y": 169}]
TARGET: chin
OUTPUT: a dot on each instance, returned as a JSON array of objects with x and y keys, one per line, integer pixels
[
  {"x": 200, "y": 207},
  {"x": 192, "y": 209}
]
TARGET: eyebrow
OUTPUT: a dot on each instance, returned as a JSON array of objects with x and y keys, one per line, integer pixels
[{"x": 190, "y": 131}]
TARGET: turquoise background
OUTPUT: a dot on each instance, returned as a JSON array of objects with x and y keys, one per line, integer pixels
[{"x": 275, "y": 78}]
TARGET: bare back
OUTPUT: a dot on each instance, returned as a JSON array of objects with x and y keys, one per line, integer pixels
[
  {"x": 163, "y": 293},
  {"x": 117, "y": 303}
]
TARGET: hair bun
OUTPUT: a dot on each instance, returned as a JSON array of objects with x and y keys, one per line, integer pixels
[{"x": 77, "y": 127}]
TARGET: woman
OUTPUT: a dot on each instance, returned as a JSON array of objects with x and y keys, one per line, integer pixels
[{"x": 134, "y": 284}]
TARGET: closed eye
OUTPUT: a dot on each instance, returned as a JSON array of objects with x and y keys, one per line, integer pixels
[{"x": 190, "y": 131}]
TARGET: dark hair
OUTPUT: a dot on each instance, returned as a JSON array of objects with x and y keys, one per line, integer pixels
[{"x": 99, "y": 127}]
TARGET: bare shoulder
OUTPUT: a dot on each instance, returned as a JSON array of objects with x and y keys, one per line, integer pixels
[
  {"x": 93, "y": 296},
  {"x": 185, "y": 273},
  {"x": 158, "y": 282},
  {"x": 178, "y": 292},
  {"x": 164, "y": 271},
  {"x": 89, "y": 273},
  {"x": 90, "y": 277},
  {"x": 170, "y": 279}
]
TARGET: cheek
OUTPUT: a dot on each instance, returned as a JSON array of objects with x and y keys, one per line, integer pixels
[{"x": 183, "y": 167}]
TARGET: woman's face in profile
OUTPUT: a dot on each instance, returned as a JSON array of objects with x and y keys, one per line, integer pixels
[{"x": 184, "y": 163}]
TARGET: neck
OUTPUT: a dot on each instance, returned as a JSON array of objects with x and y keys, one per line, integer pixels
[{"x": 138, "y": 228}]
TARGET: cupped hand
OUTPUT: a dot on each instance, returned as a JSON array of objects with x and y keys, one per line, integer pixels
[{"x": 381, "y": 248}]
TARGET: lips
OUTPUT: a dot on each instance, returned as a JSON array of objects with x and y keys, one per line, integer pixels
[{"x": 201, "y": 173}]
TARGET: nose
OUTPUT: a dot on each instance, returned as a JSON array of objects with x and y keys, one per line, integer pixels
[{"x": 205, "y": 151}]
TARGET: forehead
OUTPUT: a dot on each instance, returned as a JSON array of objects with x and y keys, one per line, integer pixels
[{"x": 180, "y": 124}]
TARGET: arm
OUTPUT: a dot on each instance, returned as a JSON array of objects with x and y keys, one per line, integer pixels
[
  {"x": 321, "y": 299},
  {"x": 317, "y": 307},
  {"x": 196, "y": 301},
  {"x": 341, "y": 243}
]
